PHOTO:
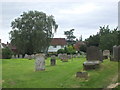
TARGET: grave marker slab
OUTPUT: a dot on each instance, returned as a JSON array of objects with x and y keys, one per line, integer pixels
[
  {"x": 39, "y": 62},
  {"x": 93, "y": 58},
  {"x": 53, "y": 60}
]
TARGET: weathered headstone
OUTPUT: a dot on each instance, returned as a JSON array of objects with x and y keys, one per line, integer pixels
[
  {"x": 106, "y": 54},
  {"x": 64, "y": 58},
  {"x": 69, "y": 56},
  {"x": 116, "y": 53},
  {"x": 82, "y": 75},
  {"x": 39, "y": 62},
  {"x": 13, "y": 56},
  {"x": 16, "y": 56},
  {"x": 78, "y": 55},
  {"x": 93, "y": 58},
  {"x": 20, "y": 56},
  {"x": 59, "y": 56},
  {"x": 26, "y": 56},
  {"x": 53, "y": 60}
]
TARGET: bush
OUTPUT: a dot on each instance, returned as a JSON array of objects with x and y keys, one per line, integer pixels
[
  {"x": 83, "y": 48},
  {"x": 6, "y": 53},
  {"x": 60, "y": 51}
]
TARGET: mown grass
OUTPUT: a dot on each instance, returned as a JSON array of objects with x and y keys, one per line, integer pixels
[{"x": 19, "y": 73}]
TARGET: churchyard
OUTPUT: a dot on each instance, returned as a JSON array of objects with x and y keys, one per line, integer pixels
[
  {"x": 21, "y": 73},
  {"x": 34, "y": 58}
]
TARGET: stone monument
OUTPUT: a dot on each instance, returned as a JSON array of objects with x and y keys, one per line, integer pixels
[
  {"x": 106, "y": 54},
  {"x": 93, "y": 58},
  {"x": 53, "y": 60},
  {"x": 39, "y": 62}
]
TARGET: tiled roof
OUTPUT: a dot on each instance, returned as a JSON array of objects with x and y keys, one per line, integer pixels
[{"x": 58, "y": 41}]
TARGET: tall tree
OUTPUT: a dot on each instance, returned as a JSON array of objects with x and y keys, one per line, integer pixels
[
  {"x": 32, "y": 32},
  {"x": 108, "y": 38},
  {"x": 70, "y": 36}
]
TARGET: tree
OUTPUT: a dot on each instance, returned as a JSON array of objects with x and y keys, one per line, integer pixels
[
  {"x": 105, "y": 38},
  {"x": 32, "y": 32},
  {"x": 93, "y": 40},
  {"x": 70, "y": 36},
  {"x": 108, "y": 38},
  {"x": 83, "y": 48}
]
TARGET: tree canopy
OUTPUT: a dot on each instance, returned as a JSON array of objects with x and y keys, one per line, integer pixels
[
  {"x": 70, "y": 36},
  {"x": 105, "y": 38},
  {"x": 32, "y": 32}
]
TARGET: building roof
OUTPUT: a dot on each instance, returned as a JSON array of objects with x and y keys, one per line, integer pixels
[{"x": 58, "y": 41}]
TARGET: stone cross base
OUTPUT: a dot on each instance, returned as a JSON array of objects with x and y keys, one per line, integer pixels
[{"x": 90, "y": 65}]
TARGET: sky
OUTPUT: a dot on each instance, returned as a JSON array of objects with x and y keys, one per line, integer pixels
[{"x": 85, "y": 16}]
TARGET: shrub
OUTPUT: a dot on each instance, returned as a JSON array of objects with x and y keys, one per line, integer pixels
[
  {"x": 6, "y": 53},
  {"x": 60, "y": 51}
]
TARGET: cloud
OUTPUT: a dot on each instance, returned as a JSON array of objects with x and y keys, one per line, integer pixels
[
  {"x": 82, "y": 15},
  {"x": 86, "y": 8}
]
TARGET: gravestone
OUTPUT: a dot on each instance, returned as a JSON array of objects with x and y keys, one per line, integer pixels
[
  {"x": 39, "y": 62},
  {"x": 13, "y": 56},
  {"x": 106, "y": 54},
  {"x": 53, "y": 60},
  {"x": 82, "y": 75},
  {"x": 20, "y": 56},
  {"x": 69, "y": 56},
  {"x": 78, "y": 55},
  {"x": 64, "y": 58},
  {"x": 16, "y": 56},
  {"x": 26, "y": 56},
  {"x": 116, "y": 53},
  {"x": 59, "y": 56},
  {"x": 93, "y": 58}
]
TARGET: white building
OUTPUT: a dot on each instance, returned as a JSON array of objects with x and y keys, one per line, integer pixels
[{"x": 56, "y": 44}]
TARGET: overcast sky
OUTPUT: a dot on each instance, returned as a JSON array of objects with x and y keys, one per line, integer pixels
[{"x": 85, "y": 16}]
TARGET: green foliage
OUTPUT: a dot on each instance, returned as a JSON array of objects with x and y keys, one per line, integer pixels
[
  {"x": 83, "y": 48},
  {"x": 93, "y": 40},
  {"x": 105, "y": 38},
  {"x": 6, "y": 53},
  {"x": 70, "y": 37},
  {"x": 60, "y": 51},
  {"x": 31, "y": 32},
  {"x": 108, "y": 38},
  {"x": 69, "y": 50}
]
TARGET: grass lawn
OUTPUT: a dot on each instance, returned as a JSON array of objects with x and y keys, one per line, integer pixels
[{"x": 19, "y": 73}]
